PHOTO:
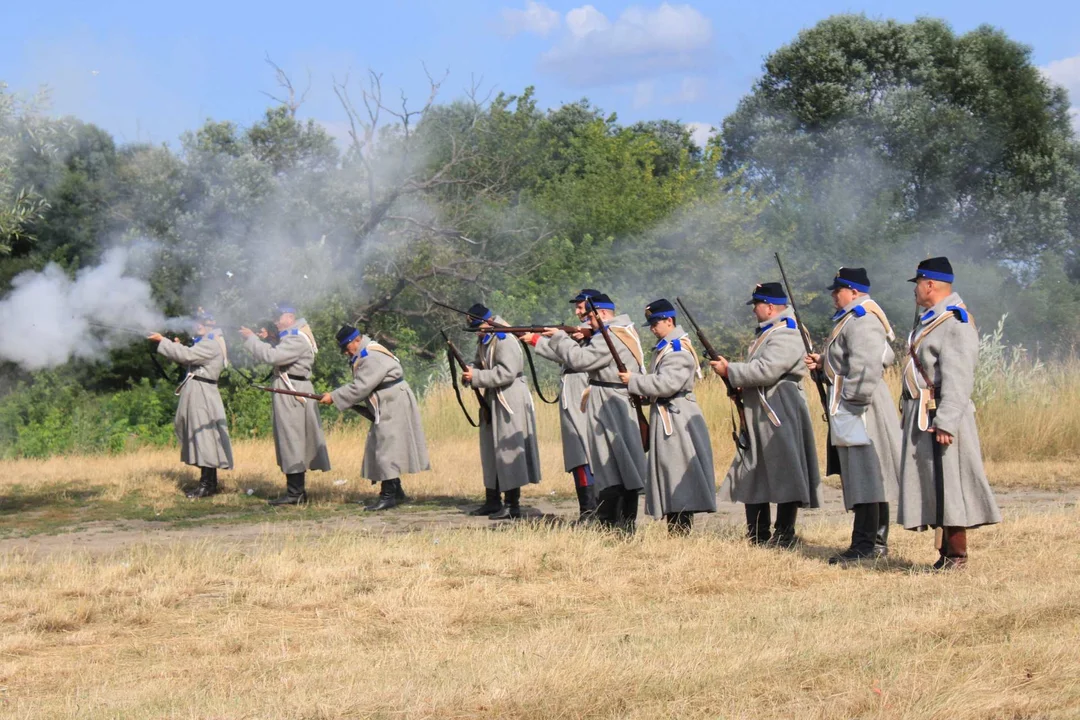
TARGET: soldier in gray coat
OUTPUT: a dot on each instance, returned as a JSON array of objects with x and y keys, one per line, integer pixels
[
  {"x": 572, "y": 420},
  {"x": 201, "y": 428},
  {"x": 864, "y": 429},
  {"x": 781, "y": 465},
  {"x": 395, "y": 443},
  {"x": 942, "y": 480},
  {"x": 616, "y": 455},
  {"x": 298, "y": 436},
  {"x": 681, "y": 478},
  {"x": 508, "y": 451}
]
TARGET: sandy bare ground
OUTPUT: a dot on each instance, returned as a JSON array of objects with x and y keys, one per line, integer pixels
[{"x": 110, "y": 536}]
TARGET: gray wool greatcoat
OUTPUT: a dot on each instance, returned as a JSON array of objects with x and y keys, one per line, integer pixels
[
  {"x": 681, "y": 477},
  {"x": 201, "y": 428},
  {"x": 948, "y": 349},
  {"x": 781, "y": 463},
  {"x": 395, "y": 443},
  {"x": 509, "y": 452},
  {"x": 616, "y": 456},
  {"x": 855, "y": 356},
  {"x": 298, "y": 435},
  {"x": 572, "y": 420}
]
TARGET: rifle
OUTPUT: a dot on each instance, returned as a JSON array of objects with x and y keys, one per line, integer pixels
[
  {"x": 742, "y": 436},
  {"x": 454, "y": 355},
  {"x": 522, "y": 329},
  {"x": 815, "y": 375},
  {"x": 505, "y": 328},
  {"x": 635, "y": 400},
  {"x": 314, "y": 396}
]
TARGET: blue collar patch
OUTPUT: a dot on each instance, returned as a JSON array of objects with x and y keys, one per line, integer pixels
[
  {"x": 283, "y": 333},
  {"x": 857, "y": 311},
  {"x": 960, "y": 313},
  {"x": 788, "y": 322},
  {"x": 488, "y": 336}
]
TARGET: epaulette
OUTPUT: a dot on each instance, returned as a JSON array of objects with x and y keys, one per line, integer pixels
[
  {"x": 858, "y": 311},
  {"x": 676, "y": 345},
  {"x": 363, "y": 353},
  {"x": 791, "y": 323},
  {"x": 960, "y": 313}
]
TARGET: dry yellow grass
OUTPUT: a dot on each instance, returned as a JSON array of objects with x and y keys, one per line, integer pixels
[
  {"x": 531, "y": 622},
  {"x": 527, "y": 621}
]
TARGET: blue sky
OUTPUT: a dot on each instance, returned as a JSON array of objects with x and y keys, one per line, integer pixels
[{"x": 147, "y": 71}]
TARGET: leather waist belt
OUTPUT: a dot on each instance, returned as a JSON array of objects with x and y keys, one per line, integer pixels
[
  {"x": 298, "y": 377},
  {"x": 605, "y": 384},
  {"x": 389, "y": 384},
  {"x": 676, "y": 396},
  {"x": 208, "y": 381}
]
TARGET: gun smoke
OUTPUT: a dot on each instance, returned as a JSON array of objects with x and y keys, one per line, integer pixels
[{"x": 49, "y": 318}]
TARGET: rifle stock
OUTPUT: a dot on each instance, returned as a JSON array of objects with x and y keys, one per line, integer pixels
[
  {"x": 742, "y": 435},
  {"x": 635, "y": 400},
  {"x": 815, "y": 375},
  {"x": 522, "y": 329}
]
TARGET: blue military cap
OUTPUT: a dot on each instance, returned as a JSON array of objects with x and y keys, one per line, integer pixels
[
  {"x": 936, "y": 268},
  {"x": 658, "y": 310},
  {"x": 854, "y": 278},
  {"x": 772, "y": 293}
]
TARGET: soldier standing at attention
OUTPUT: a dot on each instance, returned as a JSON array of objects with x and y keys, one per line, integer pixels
[
  {"x": 395, "y": 443},
  {"x": 681, "y": 479},
  {"x": 508, "y": 450},
  {"x": 298, "y": 436},
  {"x": 201, "y": 428},
  {"x": 616, "y": 456},
  {"x": 780, "y": 466},
  {"x": 864, "y": 435},
  {"x": 572, "y": 419},
  {"x": 942, "y": 481}
]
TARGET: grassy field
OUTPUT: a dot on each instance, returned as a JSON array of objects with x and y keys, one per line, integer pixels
[{"x": 533, "y": 620}]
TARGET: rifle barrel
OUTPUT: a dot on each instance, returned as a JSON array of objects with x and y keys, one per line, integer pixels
[
  {"x": 815, "y": 375},
  {"x": 294, "y": 393}
]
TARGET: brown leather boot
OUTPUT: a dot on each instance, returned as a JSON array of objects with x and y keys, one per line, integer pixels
[{"x": 953, "y": 549}]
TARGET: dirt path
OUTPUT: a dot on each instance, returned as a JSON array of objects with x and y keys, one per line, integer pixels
[{"x": 105, "y": 537}]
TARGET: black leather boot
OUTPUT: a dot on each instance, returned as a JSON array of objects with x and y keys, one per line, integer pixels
[
  {"x": 881, "y": 538},
  {"x": 784, "y": 529},
  {"x": 492, "y": 503},
  {"x": 207, "y": 484},
  {"x": 390, "y": 495},
  {"x": 586, "y": 500},
  {"x": 758, "y": 519},
  {"x": 628, "y": 511},
  {"x": 511, "y": 509},
  {"x": 863, "y": 533},
  {"x": 608, "y": 507},
  {"x": 680, "y": 523},
  {"x": 295, "y": 493}
]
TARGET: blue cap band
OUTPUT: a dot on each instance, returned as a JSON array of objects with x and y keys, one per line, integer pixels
[
  {"x": 770, "y": 300},
  {"x": 851, "y": 284},
  {"x": 603, "y": 305},
  {"x": 345, "y": 343},
  {"x": 282, "y": 309},
  {"x": 660, "y": 315},
  {"x": 943, "y": 277}
]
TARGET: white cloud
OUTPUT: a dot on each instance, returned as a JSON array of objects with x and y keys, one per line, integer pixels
[
  {"x": 700, "y": 132},
  {"x": 1066, "y": 73},
  {"x": 641, "y": 43},
  {"x": 691, "y": 89},
  {"x": 536, "y": 18}
]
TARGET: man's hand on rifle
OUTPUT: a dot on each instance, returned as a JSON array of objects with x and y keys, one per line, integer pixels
[
  {"x": 466, "y": 375},
  {"x": 245, "y": 332},
  {"x": 720, "y": 366},
  {"x": 813, "y": 361},
  {"x": 326, "y": 399},
  {"x": 624, "y": 377},
  {"x": 529, "y": 338},
  {"x": 579, "y": 335},
  {"x": 155, "y": 337},
  {"x": 942, "y": 437}
]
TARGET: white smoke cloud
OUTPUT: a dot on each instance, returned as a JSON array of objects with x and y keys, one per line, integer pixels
[
  {"x": 536, "y": 18},
  {"x": 49, "y": 318}
]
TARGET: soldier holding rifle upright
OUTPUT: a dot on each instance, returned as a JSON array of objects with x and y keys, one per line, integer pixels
[
  {"x": 395, "y": 443},
  {"x": 201, "y": 428},
  {"x": 508, "y": 450},
  {"x": 781, "y": 465},
  {"x": 681, "y": 479},
  {"x": 864, "y": 435},
  {"x": 616, "y": 452},
  {"x": 298, "y": 436},
  {"x": 942, "y": 481},
  {"x": 572, "y": 419}
]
